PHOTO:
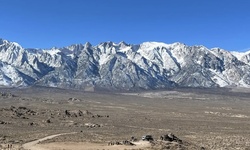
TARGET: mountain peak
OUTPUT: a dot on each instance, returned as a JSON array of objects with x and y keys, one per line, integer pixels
[
  {"x": 108, "y": 43},
  {"x": 123, "y": 44},
  {"x": 3, "y": 41},
  {"x": 87, "y": 45}
]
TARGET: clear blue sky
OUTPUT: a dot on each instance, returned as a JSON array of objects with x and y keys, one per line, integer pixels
[{"x": 48, "y": 23}]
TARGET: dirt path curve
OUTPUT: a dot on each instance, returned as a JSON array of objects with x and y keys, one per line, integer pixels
[
  {"x": 33, "y": 145},
  {"x": 91, "y": 146}
]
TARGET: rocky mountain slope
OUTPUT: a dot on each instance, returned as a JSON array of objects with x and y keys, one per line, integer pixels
[{"x": 122, "y": 66}]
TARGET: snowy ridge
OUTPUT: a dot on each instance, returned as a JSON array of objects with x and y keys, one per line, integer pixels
[
  {"x": 239, "y": 55},
  {"x": 122, "y": 66}
]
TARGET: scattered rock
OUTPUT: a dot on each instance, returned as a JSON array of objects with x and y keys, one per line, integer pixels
[
  {"x": 114, "y": 143},
  {"x": 6, "y": 95},
  {"x": 133, "y": 139},
  {"x": 24, "y": 117},
  {"x": 99, "y": 116},
  {"x": 125, "y": 142},
  {"x": 86, "y": 112},
  {"x": 20, "y": 112},
  {"x": 32, "y": 124},
  {"x": 92, "y": 125},
  {"x": 147, "y": 138},
  {"x": 73, "y": 99},
  {"x": 4, "y": 122},
  {"x": 73, "y": 113},
  {"x": 171, "y": 138},
  {"x": 79, "y": 113},
  {"x": 48, "y": 121}
]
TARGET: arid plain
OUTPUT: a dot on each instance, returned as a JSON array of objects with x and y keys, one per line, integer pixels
[{"x": 215, "y": 119}]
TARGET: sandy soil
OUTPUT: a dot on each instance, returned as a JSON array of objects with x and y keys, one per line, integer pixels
[
  {"x": 89, "y": 146},
  {"x": 211, "y": 118}
]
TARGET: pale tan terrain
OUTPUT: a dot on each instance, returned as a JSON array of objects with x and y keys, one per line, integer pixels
[
  {"x": 89, "y": 146},
  {"x": 201, "y": 118},
  {"x": 34, "y": 145}
]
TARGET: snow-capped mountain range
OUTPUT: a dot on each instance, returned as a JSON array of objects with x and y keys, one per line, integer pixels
[{"x": 123, "y": 66}]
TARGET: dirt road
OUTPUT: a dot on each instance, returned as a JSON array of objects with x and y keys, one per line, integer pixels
[
  {"x": 90, "y": 146},
  {"x": 34, "y": 144}
]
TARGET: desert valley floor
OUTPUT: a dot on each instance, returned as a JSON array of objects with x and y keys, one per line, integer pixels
[{"x": 40, "y": 118}]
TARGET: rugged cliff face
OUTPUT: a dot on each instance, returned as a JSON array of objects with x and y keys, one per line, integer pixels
[{"x": 122, "y": 66}]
